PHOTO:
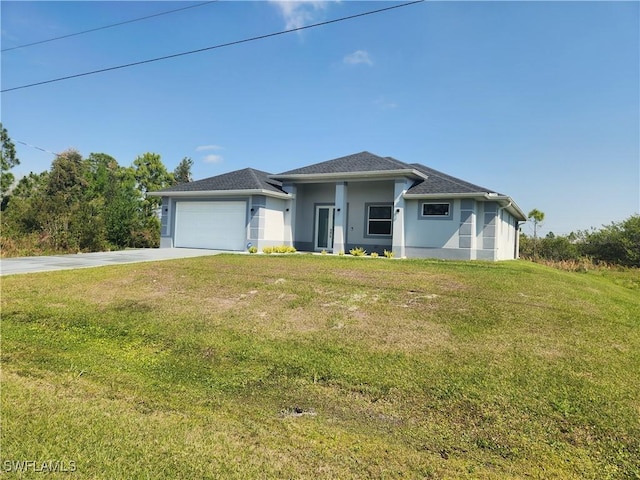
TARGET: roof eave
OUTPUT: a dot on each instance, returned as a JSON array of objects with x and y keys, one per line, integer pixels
[
  {"x": 418, "y": 196},
  {"x": 334, "y": 176},
  {"x": 219, "y": 193}
]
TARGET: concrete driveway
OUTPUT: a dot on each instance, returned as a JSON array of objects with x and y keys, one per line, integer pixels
[{"x": 11, "y": 266}]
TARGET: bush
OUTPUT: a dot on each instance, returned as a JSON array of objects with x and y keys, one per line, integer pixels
[
  {"x": 374, "y": 254},
  {"x": 616, "y": 243},
  {"x": 388, "y": 254},
  {"x": 279, "y": 249},
  {"x": 358, "y": 252},
  {"x": 558, "y": 248}
]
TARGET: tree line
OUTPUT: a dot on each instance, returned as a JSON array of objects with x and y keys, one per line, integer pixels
[
  {"x": 617, "y": 243},
  {"x": 83, "y": 204}
]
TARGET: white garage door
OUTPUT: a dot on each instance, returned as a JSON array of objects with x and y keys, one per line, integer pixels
[{"x": 215, "y": 225}]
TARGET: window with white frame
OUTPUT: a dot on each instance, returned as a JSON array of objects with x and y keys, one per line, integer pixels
[
  {"x": 432, "y": 209},
  {"x": 379, "y": 220}
]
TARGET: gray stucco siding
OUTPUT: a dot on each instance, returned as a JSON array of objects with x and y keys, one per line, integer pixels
[
  {"x": 431, "y": 232},
  {"x": 361, "y": 195},
  {"x": 256, "y": 218},
  {"x": 439, "y": 253},
  {"x": 307, "y": 197},
  {"x": 489, "y": 226},
  {"x": 358, "y": 194}
]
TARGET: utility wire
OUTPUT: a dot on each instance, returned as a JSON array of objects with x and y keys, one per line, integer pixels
[
  {"x": 106, "y": 26},
  {"x": 37, "y": 148},
  {"x": 222, "y": 45}
]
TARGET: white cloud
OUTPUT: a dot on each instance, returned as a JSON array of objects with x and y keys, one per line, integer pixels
[
  {"x": 298, "y": 13},
  {"x": 357, "y": 57},
  {"x": 212, "y": 158},
  {"x": 203, "y": 148},
  {"x": 385, "y": 104}
]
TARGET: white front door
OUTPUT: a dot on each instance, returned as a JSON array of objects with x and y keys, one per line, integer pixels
[{"x": 325, "y": 218}]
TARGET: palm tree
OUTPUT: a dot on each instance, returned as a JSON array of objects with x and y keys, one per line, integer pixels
[{"x": 536, "y": 216}]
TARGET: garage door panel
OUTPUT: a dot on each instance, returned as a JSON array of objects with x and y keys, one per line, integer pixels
[{"x": 215, "y": 225}]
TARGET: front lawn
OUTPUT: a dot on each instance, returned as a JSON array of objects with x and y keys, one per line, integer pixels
[{"x": 239, "y": 366}]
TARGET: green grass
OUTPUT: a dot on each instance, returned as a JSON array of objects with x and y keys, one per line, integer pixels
[{"x": 239, "y": 366}]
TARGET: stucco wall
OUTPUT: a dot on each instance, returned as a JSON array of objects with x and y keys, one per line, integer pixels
[
  {"x": 475, "y": 230},
  {"x": 359, "y": 196},
  {"x": 506, "y": 235},
  {"x": 431, "y": 232},
  {"x": 307, "y": 196},
  {"x": 274, "y": 221}
]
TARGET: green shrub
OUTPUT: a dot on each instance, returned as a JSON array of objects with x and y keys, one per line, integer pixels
[
  {"x": 358, "y": 252},
  {"x": 253, "y": 249},
  {"x": 374, "y": 254},
  {"x": 388, "y": 253},
  {"x": 267, "y": 250}
]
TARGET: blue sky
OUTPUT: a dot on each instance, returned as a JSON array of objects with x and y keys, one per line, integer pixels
[{"x": 537, "y": 100}]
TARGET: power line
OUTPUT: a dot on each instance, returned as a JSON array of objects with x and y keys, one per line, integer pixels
[
  {"x": 222, "y": 45},
  {"x": 38, "y": 148},
  {"x": 106, "y": 26}
]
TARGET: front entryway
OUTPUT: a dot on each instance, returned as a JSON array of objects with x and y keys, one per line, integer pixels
[{"x": 325, "y": 222}]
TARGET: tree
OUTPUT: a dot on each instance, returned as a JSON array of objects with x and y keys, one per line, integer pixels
[
  {"x": 150, "y": 175},
  {"x": 536, "y": 216},
  {"x": 68, "y": 178},
  {"x": 615, "y": 243},
  {"x": 182, "y": 173},
  {"x": 23, "y": 214},
  {"x": 120, "y": 203},
  {"x": 558, "y": 248},
  {"x": 123, "y": 208},
  {"x": 65, "y": 211},
  {"x": 8, "y": 160}
]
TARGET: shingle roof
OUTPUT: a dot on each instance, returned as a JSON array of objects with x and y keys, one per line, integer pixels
[
  {"x": 438, "y": 182},
  {"x": 245, "y": 179},
  {"x": 358, "y": 162},
  {"x": 252, "y": 179}
]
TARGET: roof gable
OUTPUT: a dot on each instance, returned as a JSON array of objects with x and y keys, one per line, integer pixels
[{"x": 245, "y": 179}]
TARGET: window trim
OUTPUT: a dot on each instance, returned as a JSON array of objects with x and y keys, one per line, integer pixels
[
  {"x": 368, "y": 220},
  {"x": 447, "y": 216}
]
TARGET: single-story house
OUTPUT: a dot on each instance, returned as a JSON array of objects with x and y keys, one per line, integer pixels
[{"x": 361, "y": 200}]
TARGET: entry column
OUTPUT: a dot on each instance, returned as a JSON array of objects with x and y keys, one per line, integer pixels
[
  {"x": 398, "y": 246},
  {"x": 340, "y": 218}
]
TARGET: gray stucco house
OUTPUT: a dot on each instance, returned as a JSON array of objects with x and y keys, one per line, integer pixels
[{"x": 361, "y": 200}]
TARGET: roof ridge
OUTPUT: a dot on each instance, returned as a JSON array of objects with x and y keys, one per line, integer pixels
[
  {"x": 255, "y": 177},
  {"x": 405, "y": 164}
]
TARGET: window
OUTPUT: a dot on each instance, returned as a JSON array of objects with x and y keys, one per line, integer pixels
[
  {"x": 436, "y": 209},
  {"x": 379, "y": 220}
]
